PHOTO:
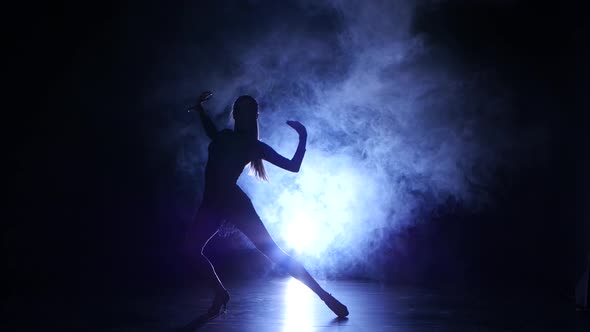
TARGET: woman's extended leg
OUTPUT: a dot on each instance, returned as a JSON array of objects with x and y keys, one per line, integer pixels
[
  {"x": 254, "y": 229},
  {"x": 202, "y": 230},
  {"x": 249, "y": 223}
]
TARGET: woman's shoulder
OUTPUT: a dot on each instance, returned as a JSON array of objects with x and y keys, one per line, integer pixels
[
  {"x": 224, "y": 134},
  {"x": 261, "y": 149}
]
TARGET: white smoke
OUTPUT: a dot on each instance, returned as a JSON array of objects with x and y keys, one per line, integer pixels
[{"x": 389, "y": 135}]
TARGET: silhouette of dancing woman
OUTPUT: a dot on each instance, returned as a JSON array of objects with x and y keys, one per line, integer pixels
[{"x": 229, "y": 152}]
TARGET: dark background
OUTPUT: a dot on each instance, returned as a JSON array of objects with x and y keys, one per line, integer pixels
[{"x": 93, "y": 196}]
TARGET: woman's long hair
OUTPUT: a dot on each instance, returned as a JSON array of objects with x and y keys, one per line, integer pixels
[{"x": 245, "y": 114}]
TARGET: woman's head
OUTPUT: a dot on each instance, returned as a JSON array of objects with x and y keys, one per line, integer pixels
[
  {"x": 245, "y": 114},
  {"x": 245, "y": 107}
]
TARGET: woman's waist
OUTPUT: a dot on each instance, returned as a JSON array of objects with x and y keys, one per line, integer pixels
[{"x": 221, "y": 189}]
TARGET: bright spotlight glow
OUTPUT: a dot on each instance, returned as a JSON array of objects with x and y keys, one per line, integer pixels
[
  {"x": 392, "y": 134},
  {"x": 299, "y": 307},
  {"x": 301, "y": 232}
]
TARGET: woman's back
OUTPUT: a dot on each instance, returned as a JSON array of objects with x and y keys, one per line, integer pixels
[{"x": 229, "y": 153}]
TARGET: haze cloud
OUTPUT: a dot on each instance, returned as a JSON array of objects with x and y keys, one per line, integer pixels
[{"x": 395, "y": 127}]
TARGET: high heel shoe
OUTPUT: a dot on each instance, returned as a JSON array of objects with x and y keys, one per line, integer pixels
[
  {"x": 219, "y": 304},
  {"x": 338, "y": 308}
]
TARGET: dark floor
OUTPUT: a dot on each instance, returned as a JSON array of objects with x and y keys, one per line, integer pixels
[{"x": 286, "y": 305}]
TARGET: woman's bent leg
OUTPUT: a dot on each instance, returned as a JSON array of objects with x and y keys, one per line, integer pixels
[{"x": 202, "y": 230}]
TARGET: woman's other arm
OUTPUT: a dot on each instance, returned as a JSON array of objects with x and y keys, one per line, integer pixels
[{"x": 294, "y": 164}]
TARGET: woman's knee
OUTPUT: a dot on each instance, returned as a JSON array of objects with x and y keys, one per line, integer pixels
[
  {"x": 194, "y": 248},
  {"x": 273, "y": 252},
  {"x": 196, "y": 241}
]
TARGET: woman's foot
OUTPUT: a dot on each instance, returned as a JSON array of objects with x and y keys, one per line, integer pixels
[
  {"x": 338, "y": 308},
  {"x": 219, "y": 304}
]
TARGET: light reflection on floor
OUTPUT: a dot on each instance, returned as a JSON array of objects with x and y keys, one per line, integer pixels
[
  {"x": 286, "y": 305},
  {"x": 299, "y": 307}
]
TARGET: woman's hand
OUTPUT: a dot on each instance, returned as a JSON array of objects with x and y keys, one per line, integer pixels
[
  {"x": 299, "y": 128},
  {"x": 204, "y": 96}
]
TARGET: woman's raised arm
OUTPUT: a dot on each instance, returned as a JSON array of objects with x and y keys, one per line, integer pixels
[{"x": 208, "y": 125}]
